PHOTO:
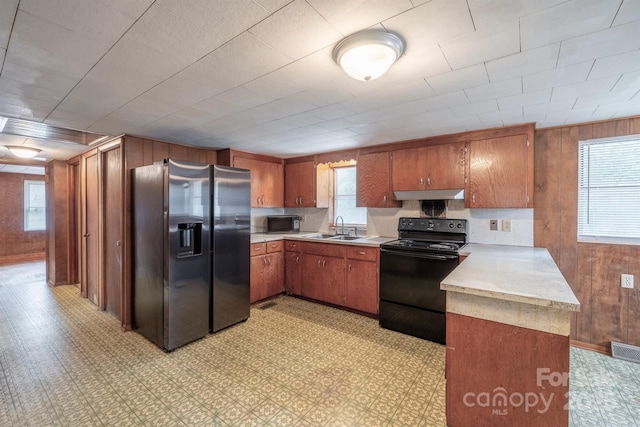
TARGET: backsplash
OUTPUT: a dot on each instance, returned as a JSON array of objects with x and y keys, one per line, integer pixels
[{"x": 384, "y": 221}]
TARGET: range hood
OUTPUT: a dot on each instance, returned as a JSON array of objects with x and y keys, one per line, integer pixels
[{"x": 453, "y": 194}]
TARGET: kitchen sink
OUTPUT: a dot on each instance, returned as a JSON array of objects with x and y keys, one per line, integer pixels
[
  {"x": 320, "y": 236},
  {"x": 342, "y": 237}
]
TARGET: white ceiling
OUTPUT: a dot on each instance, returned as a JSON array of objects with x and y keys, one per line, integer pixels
[{"x": 258, "y": 75}]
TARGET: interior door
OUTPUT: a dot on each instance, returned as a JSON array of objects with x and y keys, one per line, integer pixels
[
  {"x": 91, "y": 236},
  {"x": 112, "y": 236}
]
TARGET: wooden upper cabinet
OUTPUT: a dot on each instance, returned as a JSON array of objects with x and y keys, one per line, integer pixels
[
  {"x": 500, "y": 172},
  {"x": 445, "y": 166},
  {"x": 434, "y": 167},
  {"x": 305, "y": 185},
  {"x": 267, "y": 181},
  {"x": 373, "y": 181},
  {"x": 408, "y": 169}
]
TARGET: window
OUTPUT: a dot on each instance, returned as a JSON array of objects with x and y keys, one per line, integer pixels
[
  {"x": 609, "y": 189},
  {"x": 344, "y": 197},
  {"x": 34, "y": 206}
]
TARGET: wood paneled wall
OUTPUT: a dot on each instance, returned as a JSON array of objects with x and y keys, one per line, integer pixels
[
  {"x": 57, "y": 223},
  {"x": 15, "y": 243},
  {"x": 608, "y": 312},
  {"x": 143, "y": 152}
]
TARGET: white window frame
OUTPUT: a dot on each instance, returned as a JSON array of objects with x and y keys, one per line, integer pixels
[
  {"x": 360, "y": 226},
  {"x": 609, "y": 199},
  {"x": 28, "y": 208}
]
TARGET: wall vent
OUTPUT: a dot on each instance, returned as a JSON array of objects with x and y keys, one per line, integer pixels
[{"x": 625, "y": 352}]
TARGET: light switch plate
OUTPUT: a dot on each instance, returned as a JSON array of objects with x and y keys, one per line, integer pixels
[
  {"x": 627, "y": 281},
  {"x": 506, "y": 225},
  {"x": 493, "y": 224}
]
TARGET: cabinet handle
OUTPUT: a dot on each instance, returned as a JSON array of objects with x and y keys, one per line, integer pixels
[
  {"x": 275, "y": 245},
  {"x": 349, "y": 267},
  {"x": 264, "y": 260},
  {"x": 297, "y": 260},
  {"x": 300, "y": 200},
  {"x": 319, "y": 262},
  {"x": 428, "y": 180},
  {"x": 257, "y": 248},
  {"x": 324, "y": 263},
  {"x": 269, "y": 260},
  {"x": 384, "y": 198},
  {"x": 473, "y": 198},
  {"x": 361, "y": 253},
  {"x": 292, "y": 245},
  {"x": 118, "y": 243},
  {"x": 421, "y": 181}
]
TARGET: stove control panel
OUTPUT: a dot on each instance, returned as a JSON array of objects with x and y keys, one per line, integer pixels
[{"x": 433, "y": 224}]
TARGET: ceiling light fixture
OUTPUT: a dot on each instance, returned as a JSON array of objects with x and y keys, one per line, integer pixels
[
  {"x": 23, "y": 152},
  {"x": 368, "y": 54}
]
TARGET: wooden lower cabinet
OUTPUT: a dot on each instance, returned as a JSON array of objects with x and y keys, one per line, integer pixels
[
  {"x": 362, "y": 286},
  {"x": 504, "y": 375},
  {"x": 267, "y": 270},
  {"x": 293, "y": 273},
  {"x": 323, "y": 278}
]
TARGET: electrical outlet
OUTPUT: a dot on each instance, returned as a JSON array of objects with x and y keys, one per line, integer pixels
[
  {"x": 493, "y": 224},
  {"x": 303, "y": 218},
  {"x": 627, "y": 281},
  {"x": 506, "y": 225}
]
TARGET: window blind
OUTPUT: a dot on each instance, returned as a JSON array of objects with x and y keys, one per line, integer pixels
[{"x": 609, "y": 189}]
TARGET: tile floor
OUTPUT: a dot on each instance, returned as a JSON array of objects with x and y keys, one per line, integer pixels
[{"x": 64, "y": 363}]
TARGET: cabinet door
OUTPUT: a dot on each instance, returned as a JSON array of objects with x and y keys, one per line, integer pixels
[
  {"x": 275, "y": 282},
  {"x": 258, "y": 278},
  {"x": 292, "y": 263},
  {"x": 373, "y": 181},
  {"x": 267, "y": 182},
  {"x": 499, "y": 173},
  {"x": 445, "y": 166},
  {"x": 408, "y": 169},
  {"x": 362, "y": 286},
  {"x": 300, "y": 185},
  {"x": 312, "y": 275},
  {"x": 332, "y": 280},
  {"x": 273, "y": 186}
]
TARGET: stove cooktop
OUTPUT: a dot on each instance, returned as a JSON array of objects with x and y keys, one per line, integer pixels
[{"x": 424, "y": 246}]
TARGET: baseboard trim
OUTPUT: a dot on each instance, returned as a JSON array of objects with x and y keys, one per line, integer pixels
[
  {"x": 591, "y": 347},
  {"x": 20, "y": 258}
]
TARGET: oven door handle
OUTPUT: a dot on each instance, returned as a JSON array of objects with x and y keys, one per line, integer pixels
[{"x": 420, "y": 255}]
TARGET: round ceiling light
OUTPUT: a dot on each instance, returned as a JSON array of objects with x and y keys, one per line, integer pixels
[
  {"x": 368, "y": 54},
  {"x": 23, "y": 152}
]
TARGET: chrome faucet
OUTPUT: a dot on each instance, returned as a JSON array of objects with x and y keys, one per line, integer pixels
[{"x": 342, "y": 226}]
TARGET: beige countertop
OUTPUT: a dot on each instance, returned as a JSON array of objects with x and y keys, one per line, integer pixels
[
  {"x": 374, "y": 241},
  {"x": 512, "y": 273}
]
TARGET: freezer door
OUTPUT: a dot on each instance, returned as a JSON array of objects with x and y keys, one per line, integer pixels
[
  {"x": 231, "y": 217},
  {"x": 186, "y": 288}
]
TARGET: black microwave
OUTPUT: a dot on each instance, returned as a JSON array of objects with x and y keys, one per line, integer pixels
[{"x": 283, "y": 223}]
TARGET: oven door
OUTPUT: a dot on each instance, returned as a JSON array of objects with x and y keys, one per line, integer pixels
[{"x": 413, "y": 278}]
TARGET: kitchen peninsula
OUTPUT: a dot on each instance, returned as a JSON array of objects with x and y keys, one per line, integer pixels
[{"x": 508, "y": 323}]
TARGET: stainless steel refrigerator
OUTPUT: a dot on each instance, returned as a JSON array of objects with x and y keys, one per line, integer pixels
[
  {"x": 230, "y": 246},
  {"x": 171, "y": 242}
]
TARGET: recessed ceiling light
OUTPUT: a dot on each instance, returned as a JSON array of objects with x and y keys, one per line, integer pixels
[{"x": 368, "y": 54}]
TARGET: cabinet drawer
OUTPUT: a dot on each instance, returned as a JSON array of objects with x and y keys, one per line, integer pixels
[
  {"x": 258, "y": 249},
  {"x": 326, "y": 249},
  {"x": 275, "y": 246},
  {"x": 292, "y": 246},
  {"x": 360, "y": 252}
]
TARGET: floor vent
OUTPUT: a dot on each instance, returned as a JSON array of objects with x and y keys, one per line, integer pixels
[
  {"x": 273, "y": 304},
  {"x": 625, "y": 352}
]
